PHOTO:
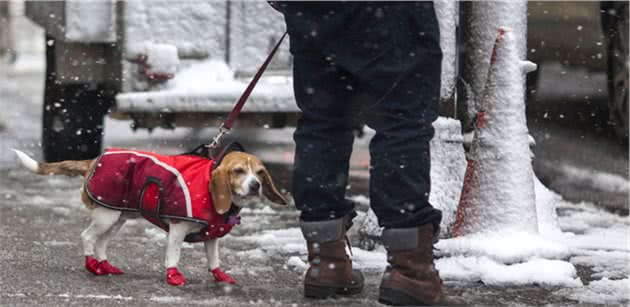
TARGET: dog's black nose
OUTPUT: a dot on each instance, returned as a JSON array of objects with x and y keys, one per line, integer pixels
[{"x": 254, "y": 186}]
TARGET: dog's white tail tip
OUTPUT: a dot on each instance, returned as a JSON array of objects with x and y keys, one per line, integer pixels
[{"x": 27, "y": 161}]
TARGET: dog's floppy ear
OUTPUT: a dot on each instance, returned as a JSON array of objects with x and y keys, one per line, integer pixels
[
  {"x": 221, "y": 190},
  {"x": 270, "y": 191}
]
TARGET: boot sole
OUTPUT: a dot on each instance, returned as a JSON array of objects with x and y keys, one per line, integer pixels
[
  {"x": 323, "y": 292},
  {"x": 393, "y": 297}
]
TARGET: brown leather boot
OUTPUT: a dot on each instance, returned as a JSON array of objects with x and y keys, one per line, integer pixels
[
  {"x": 330, "y": 272},
  {"x": 411, "y": 277}
]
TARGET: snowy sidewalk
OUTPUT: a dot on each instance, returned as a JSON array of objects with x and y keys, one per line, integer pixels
[{"x": 42, "y": 218}]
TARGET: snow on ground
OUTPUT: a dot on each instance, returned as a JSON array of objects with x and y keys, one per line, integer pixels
[
  {"x": 296, "y": 263},
  {"x": 461, "y": 268},
  {"x": 588, "y": 227},
  {"x": 508, "y": 248},
  {"x": 508, "y": 260},
  {"x": 604, "y": 291},
  {"x": 599, "y": 180},
  {"x": 539, "y": 271},
  {"x": 170, "y": 300},
  {"x": 604, "y": 264},
  {"x": 94, "y": 296}
]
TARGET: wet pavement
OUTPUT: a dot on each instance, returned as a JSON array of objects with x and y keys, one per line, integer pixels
[{"x": 41, "y": 219}]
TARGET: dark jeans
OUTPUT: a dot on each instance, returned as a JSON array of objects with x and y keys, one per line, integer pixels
[{"x": 377, "y": 63}]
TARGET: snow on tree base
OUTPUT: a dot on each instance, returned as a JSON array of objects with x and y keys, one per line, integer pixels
[{"x": 509, "y": 248}]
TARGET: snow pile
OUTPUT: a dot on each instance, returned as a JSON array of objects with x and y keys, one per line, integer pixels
[
  {"x": 161, "y": 58},
  {"x": 288, "y": 240},
  {"x": 511, "y": 247},
  {"x": 368, "y": 229},
  {"x": 202, "y": 75},
  {"x": 252, "y": 254},
  {"x": 154, "y": 234},
  {"x": 210, "y": 86},
  {"x": 448, "y": 165},
  {"x": 604, "y": 291},
  {"x": 297, "y": 264},
  {"x": 537, "y": 271}
]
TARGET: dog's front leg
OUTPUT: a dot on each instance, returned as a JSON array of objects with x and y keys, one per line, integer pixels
[
  {"x": 177, "y": 233},
  {"x": 212, "y": 252}
]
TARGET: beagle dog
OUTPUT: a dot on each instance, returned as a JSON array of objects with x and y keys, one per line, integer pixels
[{"x": 239, "y": 180}]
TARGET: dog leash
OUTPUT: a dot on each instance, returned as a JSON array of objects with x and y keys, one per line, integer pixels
[{"x": 226, "y": 126}]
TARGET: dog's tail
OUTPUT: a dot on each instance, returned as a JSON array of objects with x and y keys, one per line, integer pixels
[{"x": 68, "y": 168}]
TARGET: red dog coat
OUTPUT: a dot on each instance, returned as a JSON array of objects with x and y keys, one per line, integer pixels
[{"x": 159, "y": 187}]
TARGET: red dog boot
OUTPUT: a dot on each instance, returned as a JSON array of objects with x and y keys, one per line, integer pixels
[
  {"x": 92, "y": 265},
  {"x": 174, "y": 277},
  {"x": 220, "y": 276},
  {"x": 107, "y": 268}
]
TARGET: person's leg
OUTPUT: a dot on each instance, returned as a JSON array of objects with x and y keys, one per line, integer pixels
[
  {"x": 402, "y": 117},
  {"x": 400, "y": 155},
  {"x": 400, "y": 158},
  {"x": 324, "y": 140},
  {"x": 400, "y": 186}
]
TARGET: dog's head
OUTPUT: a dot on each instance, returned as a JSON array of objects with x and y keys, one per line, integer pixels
[{"x": 239, "y": 176}]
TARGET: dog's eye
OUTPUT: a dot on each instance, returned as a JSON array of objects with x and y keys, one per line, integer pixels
[
  {"x": 239, "y": 171},
  {"x": 260, "y": 172}
]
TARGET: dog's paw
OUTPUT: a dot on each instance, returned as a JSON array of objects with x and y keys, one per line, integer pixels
[
  {"x": 174, "y": 277},
  {"x": 92, "y": 265},
  {"x": 220, "y": 276},
  {"x": 107, "y": 268}
]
